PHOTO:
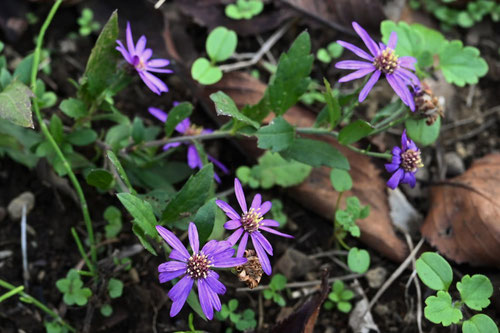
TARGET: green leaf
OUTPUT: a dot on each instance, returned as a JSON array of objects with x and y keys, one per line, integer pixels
[
  {"x": 278, "y": 282},
  {"x": 119, "y": 168},
  {"x": 420, "y": 132},
  {"x": 276, "y": 136},
  {"x": 138, "y": 130},
  {"x": 335, "y": 50},
  {"x": 204, "y": 72},
  {"x": 440, "y": 310},
  {"x": 1, "y": 46},
  {"x": 115, "y": 288},
  {"x": 344, "y": 307},
  {"x": 114, "y": 218},
  {"x": 176, "y": 115},
  {"x": 341, "y": 180},
  {"x": 338, "y": 287},
  {"x": 73, "y": 108},
  {"x": 221, "y": 44},
  {"x": 332, "y": 103},
  {"x": 274, "y": 170},
  {"x": 23, "y": 69},
  {"x": 141, "y": 211},
  {"x": 461, "y": 65},
  {"x": 190, "y": 198},
  {"x": 204, "y": 220},
  {"x": 316, "y": 153},
  {"x": 233, "y": 304},
  {"x": 15, "y": 104},
  {"x": 323, "y": 56},
  {"x": 100, "y": 178},
  {"x": 347, "y": 295},
  {"x": 358, "y": 260},
  {"x": 278, "y": 299},
  {"x": 139, "y": 233},
  {"x": 268, "y": 294},
  {"x": 82, "y": 137},
  {"x": 244, "y": 9},
  {"x": 225, "y": 106},
  {"x": 106, "y": 310},
  {"x": 475, "y": 291},
  {"x": 56, "y": 128},
  {"x": 193, "y": 302},
  {"x": 292, "y": 75},
  {"x": 354, "y": 132},
  {"x": 479, "y": 323},
  {"x": 434, "y": 271},
  {"x": 5, "y": 78}
]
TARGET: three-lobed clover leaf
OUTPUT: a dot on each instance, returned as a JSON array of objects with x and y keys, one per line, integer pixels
[
  {"x": 434, "y": 271},
  {"x": 244, "y": 9},
  {"x": 475, "y": 291},
  {"x": 278, "y": 283},
  {"x": 479, "y": 323},
  {"x": 440, "y": 309},
  {"x": 340, "y": 296},
  {"x": 347, "y": 218},
  {"x": 243, "y": 321},
  {"x": 71, "y": 287}
]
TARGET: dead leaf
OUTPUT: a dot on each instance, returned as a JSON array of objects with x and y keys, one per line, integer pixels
[
  {"x": 304, "y": 319},
  {"x": 316, "y": 192},
  {"x": 464, "y": 219}
]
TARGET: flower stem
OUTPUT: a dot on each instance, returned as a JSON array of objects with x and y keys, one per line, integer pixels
[
  {"x": 82, "y": 251},
  {"x": 50, "y": 138}
]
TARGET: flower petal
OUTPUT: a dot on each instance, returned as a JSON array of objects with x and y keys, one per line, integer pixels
[
  {"x": 171, "y": 145},
  {"x": 214, "y": 283},
  {"x": 257, "y": 200},
  {"x": 408, "y": 62},
  {"x": 193, "y": 158},
  {"x": 167, "y": 276},
  {"x": 233, "y": 239},
  {"x": 394, "y": 181},
  {"x": 393, "y": 40},
  {"x": 409, "y": 178},
  {"x": 148, "y": 82},
  {"x": 264, "y": 260},
  {"x": 240, "y": 195},
  {"x": 269, "y": 223},
  {"x": 230, "y": 212},
  {"x": 257, "y": 236},
  {"x": 158, "y": 63},
  {"x": 172, "y": 240},
  {"x": 176, "y": 255},
  {"x": 146, "y": 55},
  {"x": 218, "y": 164},
  {"x": 400, "y": 89},
  {"x": 159, "y": 114},
  {"x": 408, "y": 76},
  {"x": 404, "y": 141},
  {"x": 357, "y": 74},
  {"x": 183, "y": 126},
  {"x": 159, "y": 70},
  {"x": 204, "y": 296},
  {"x": 140, "y": 46},
  {"x": 353, "y": 64},
  {"x": 171, "y": 266},
  {"x": 391, "y": 167},
  {"x": 265, "y": 207},
  {"x": 369, "y": 42},
  {"x": 243, "y": 245},
  {"x": 232, "y": 224},
  {"x": 179, "y": 293},
  {"x": 368, "y": 86},
  {"x": 194, "y": 241},
  {"x": 228, "y": 262},
  {"x": 124, "y": 52},
  {"x": 161, "y": 86},
  {"x": 356, "y": 50},
  {"x": 276, "y": 232},
  {"x": 130, "y": 40}
]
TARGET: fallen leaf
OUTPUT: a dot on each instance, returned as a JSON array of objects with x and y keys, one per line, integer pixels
[
  {"x": 316, "y": 192},
  {"x": 463, "y": 221}
]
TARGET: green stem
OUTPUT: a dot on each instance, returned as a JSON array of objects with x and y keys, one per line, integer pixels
[
  {"x": 48, "y": 136},
  {"x": 31, "y": 299},
  {"x": 82, "y": 251},
  {"x": 391, "y": 124},
  {"x": 11, "y": 293}
]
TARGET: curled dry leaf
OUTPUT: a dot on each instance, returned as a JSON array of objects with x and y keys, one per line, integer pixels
[
  {"x": 464, "y": 219},
  {"x": 316, "y": 191}
]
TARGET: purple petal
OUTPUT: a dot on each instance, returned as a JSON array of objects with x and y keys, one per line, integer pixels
[
  {"x": 356, "y": 50},
  {"x": 149, "y": 83},
  {"x": 176, "y": 255},
  {"x": 172, "y": 240},
  {"x": 369, "y": 42},
  {"x": 204, "y": 296},
  {"x": 240, "y": 195},
  {"x": 159, "y": 84},
  {"x": 218, "y": 164},
  {"x": 167, "y": 276},
  {"x": 269, "y": 223},
  {"x": 243, "y": 245},
  {"x": 409, "y": 178},
  {"x": 179, "y": 293},
  {"x": 357, "y": 74},
  {"x": 276, "y": 232},
  {"x": 353, "y": 64},
  {"x": 159, "y": 70},
  {"x": 124, "y": 52},
  {"x": 214, "y": 248},
  {"x": 235, "y": 236},
  {"x": 393, "y": 40},
  {"x": 130, "y": 41},
  {"x": 171, "y": 145},
  {"x": 257, "y": 200},
  {"x": 139, "y": 47},
  {"x": 396, "y": 151},
  {"x": 214, "y": 283},
  {"x": 193, "y": 158},
  {"x": 404, "y": 140},
  {"x": 159, "y": 114},
  {"x": 230, "y": 212},
  {"x": 399, "y": 88},
  {"x": 408, "y": 62},
  {"x": 146, "y": 55},
  {"x": 228, "y": 262},
  {"x": 183, "y": 126},
  {"x": 158, "y": 63},
  {"x": 258, "y": 237},
  {"x": 393, "y": 182},
  {"x": 264, "y": 260},
  {"x": 171, "y": 266},
  {"x": 194, "y": 241},
  {"x": 265, "y": 207},
  {"x": 214, "y": 298},
  {"x": 391, "y": 167},
  {"x": 232, "y": 224},
  {"x": 368, "y": 86},
  {"x": 412, "y": 78}
]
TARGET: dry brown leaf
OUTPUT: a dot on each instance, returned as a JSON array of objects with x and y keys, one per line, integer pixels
[
  {"x": 316, "y": 192},
  {"x": 464, "y": 220}
]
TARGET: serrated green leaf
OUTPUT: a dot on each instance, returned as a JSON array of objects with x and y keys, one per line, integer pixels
[
  {"x": 341, "y": 180},
  {"x": 221, "y": 44},
  {"x": 100, "y": 178},
  {"x": 354, "y": 132},
  {"x": 176, "y": 115},
  {"x": 225, "y": 106},
  {"x": 141, "y": 211},
  {"x": 475, "y": 291},
  {"x": 115, "y": 288},
  {"x": 316, "y": 153},
  {"x": 204, "y": 72},
  {"x": 461, "y": 65},
  {"x": 15, "y": 104},
  {"x": 440, "y": 310},
  {"x": 119, "y": 168},
  {"x": 358, "y": 260},
  {"x": 204, "y": 220},
  {"x": 479, "y": 323},
  {"x": 276, "y": 136},
  {"x": 434, "y": 271},
  {"x": 420, "y": 132}
]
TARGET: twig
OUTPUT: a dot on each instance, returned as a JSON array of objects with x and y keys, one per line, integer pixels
[
  {"x": 24, "y": 247},
  {"x": 259, "y": 54},
  {"x": 328, "y": 254},
  {"x": 159, "y": 3},
  {"x": 469, "y": 120},
  {"x": 472, "y": 133},
  {"x": 305, "y": 283},
  {"x": 417, "y": 285}
]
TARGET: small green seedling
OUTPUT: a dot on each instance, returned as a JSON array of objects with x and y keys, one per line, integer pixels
[
  {"x": 115, "y": 288},
  {"x": 347, "y": 218},
  {"x": 475, "y": 292},
  {"x": 244, "y": 9},
  {"x": 221, "y": 44},
  {"x": 114, "y": 218},
  {"x": 106, "y": 310},
  {"x": 339, "y": 297},
  {"x": 54, "y": 327},
  {"x": 333, "y": 51},
  {"x": 278, "y": 283},
  {"x": 358, "y": 260},
  {"x": 313, "y": 94},
  {"x": 71, "y": 287},
  {"x": 242, "y": 321},
  {"x": 86, "y": 23}
]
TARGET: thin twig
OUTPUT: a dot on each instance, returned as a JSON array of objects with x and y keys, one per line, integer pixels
[
  {"x": 24, "y": 247},
  {"x": 328, "y": 254},
  {"x": 469, "y": 120},
  {"x": 473, "y": 133},
  {"x": 417, "y": 284}
]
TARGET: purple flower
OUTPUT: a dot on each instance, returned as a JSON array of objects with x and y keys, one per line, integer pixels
[
  {"x": 186, "y": 128},
  {"x": 196, "y": 267},
  {"x": 250, "y": 224},
  {"x": 139, "y": 57},
  {"x": 382, "y": 60},
  {"x": 405, "y": 162}
]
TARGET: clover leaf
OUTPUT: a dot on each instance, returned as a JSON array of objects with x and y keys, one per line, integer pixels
[
  {"x": 339, "y": 297},
  {"x": 115, "y": 288},
  {"x": 434, "y": 271},
  {"x": 244, "y": 9},
  {"x": 278, "y": 283},
  {"x": 479, "y": 323},
  {"x": 475, "y": 291},
  {"x": 440, "y": 310},
  {"x": 358, "y": 260},
  {"x": 71, "y": 287}
]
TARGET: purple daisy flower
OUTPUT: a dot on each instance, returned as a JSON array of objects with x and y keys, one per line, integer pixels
[
  {"x": 139, "y": 57},
  {"x": 405, "y": 162},
  {"x": 196, "y": 267},
  {"x": 382, "y": 60},
  {"x": 250, "y": 224},
  {"x": 186, "y": 128}
]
